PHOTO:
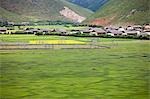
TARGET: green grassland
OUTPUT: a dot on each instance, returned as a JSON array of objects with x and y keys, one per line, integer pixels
[
  {"x": 53, "y": 27},
  {"x": 120, "y": 72},
  {"x": 27, "y": 38}
]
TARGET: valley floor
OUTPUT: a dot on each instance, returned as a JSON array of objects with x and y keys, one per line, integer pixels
[{"x": 120, "y": 72}]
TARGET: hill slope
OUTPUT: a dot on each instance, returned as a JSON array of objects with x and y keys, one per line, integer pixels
[
  {"x": 122, "y": 12},
  {"x": 33, "y": 10},
  {"x": 90, "y": 4}
]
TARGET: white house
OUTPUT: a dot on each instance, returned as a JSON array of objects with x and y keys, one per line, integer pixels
[{"x": 3, "y": 30}]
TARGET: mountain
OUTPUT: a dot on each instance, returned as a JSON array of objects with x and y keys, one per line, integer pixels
[
  {"x": 90, "y": 4},
  {"x": 122, "y": 12},
  {"x": 35, "y": 10}
]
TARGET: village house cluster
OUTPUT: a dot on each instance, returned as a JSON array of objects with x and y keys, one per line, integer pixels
[
  {"x": 111, "y": 31},
  {"x": 136, "y": 30}
]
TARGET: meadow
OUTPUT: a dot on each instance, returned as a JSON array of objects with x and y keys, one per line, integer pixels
[
  {"x": 121, "y": 72},
  {"x": 27, "y": 38},
  {"x": 68, "y": 27}
]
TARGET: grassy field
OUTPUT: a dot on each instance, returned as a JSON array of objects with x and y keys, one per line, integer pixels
[
  {"x": 121, "y": 72},
  {"x": 27, "y": 38},
  {"x": 53, "y": 27}
]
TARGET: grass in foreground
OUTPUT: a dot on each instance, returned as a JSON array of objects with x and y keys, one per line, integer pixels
[{"x": 118, "y": 73}]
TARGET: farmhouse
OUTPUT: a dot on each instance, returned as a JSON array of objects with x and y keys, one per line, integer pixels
[
  {"x": 147, "y": 32},
  {"x": 111, "y": 28},
  {"x": 61, "y": 31},
  {"x": 114, "y": 32},
  {"x": 129, "y": 28},
  {"x": 28, "y": 31},
  {"x": 33, "y": 31},
  {"x": 137, "y": 27},
  {"x": 3, "y": 30},
  {"x": 147, "y": 27},
  {"x": 52, "y": 30},
  {"x": 11, "y": 23},
  {"x": 25, "y": 23},
  {"x": 93, "y": 31},
  {"x": 45, "y": 31},
  {"x": 133, "y": 33},
  {"x": 98, "y": 31},
  {"x": 85, "y": 31},
  {"x": 121, "y": 29},
  {"x": 75, "y": 31}
]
